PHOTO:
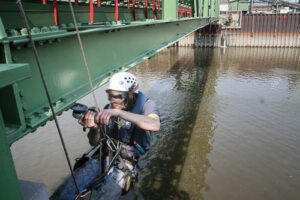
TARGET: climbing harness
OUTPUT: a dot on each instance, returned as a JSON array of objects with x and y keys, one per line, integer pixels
[{"x": 116, "y": 156}]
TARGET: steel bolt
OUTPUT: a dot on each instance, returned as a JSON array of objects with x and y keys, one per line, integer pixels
[
  {"x": 14, "y": 32},
  {"x": 45, "y": 29},
  {"x": 28, "y": 119},
  {"x": 24, "y": 31},
  {"x": 36, "y": 114},
  {"x": 35, "y": 30},
  {"x": 64, "y": 99},
  {"x": 54, "y": 28},
  {"x": 71, "y": 25},
  {"x": 63, "y": 26},
  {"x": 24, "y": 106},
  {"x": 21, "y": 93},
  {"x": 46, "y": 109}
]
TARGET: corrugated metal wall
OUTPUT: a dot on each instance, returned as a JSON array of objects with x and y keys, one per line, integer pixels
[
  {"x": 270, "y": 23},
  {"x": 265, "y": 30}
]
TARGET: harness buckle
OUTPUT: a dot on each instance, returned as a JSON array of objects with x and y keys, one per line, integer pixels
[{"x": 83, "y": 194}]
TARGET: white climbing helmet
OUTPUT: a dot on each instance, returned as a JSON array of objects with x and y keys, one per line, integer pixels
[{"x": 124, "y": 82}]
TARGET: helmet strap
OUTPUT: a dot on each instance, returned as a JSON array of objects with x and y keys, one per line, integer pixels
[{"x": 133, "y": 88}]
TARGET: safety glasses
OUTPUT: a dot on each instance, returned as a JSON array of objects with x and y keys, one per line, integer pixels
[{"x": 119, "y": 96}]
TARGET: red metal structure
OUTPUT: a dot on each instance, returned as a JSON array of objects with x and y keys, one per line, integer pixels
[
  {"x": 92, "y": 11},
  {"x": 56, "y": 19},
  {"x": 116, "y": 10}
]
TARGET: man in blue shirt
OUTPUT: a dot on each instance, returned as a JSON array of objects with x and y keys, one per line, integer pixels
[
  {"x": 130, "y": 118},
  {"x": 126, "y": 124}
]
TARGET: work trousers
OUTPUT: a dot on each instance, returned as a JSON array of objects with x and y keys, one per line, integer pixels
[{"x": 111, "y": 188}]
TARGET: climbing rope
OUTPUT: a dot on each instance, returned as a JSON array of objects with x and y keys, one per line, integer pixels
[
  {"x": 90, "y": 81},
  {"x": 88, "y": 73},
  {"x": 83, "y": 54},
  {"x": 19, "y": 2}
]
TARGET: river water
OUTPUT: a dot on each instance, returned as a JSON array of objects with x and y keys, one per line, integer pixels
[{"x": 230, "y": 128}]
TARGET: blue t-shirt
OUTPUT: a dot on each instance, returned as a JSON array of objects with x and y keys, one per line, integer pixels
[{"x": 140, "y": 136}]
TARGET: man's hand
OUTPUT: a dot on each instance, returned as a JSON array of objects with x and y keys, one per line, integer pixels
[
  {"x": 104, "y": 115},
  {"x": 88, "y": 120}
]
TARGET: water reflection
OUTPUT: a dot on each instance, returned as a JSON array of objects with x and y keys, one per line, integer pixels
[
  {"x": 256, "y": 107},
  {"x": 179, "y": 102},
  {"x": 193, "y": 179},
  {"x": 244, "y": 98}
]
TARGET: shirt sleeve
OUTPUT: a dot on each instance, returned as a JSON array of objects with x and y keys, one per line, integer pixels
[{"x": 150, "y": 108}]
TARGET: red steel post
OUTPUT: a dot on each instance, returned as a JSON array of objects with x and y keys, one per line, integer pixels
[
  {"x": 146, "y": 9},
  {"x": 116, "y": 10},
  {"x": 55, "y": 12},
  {"x": 91, "y": 11},
  {"x": 180, "y": 11},
  {"x": 155, "y": 9},
  {"x": 133, "y": 9},
  {"x": 158, "y": 5}
]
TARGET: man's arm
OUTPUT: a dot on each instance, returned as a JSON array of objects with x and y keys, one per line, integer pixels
[
  {"x": 94, "y": 136},
  {"x": 150, "y": 122},
  {"x": 89, "y": 122}
]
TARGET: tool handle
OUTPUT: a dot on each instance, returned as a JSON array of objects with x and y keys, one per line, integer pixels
[{"x": 141, "y": 150}]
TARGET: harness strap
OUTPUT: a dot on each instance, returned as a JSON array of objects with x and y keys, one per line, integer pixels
[{"x": 99, "y": 180}]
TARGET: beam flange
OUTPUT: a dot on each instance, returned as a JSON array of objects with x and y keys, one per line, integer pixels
[{"x": 12, "y": 73}]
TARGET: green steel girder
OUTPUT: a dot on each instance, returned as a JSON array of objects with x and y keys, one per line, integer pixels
[
  {"x": 106, "y": 41},
  {"x": 108, "y": 49}
]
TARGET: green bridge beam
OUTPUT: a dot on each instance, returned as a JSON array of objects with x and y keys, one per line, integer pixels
[{"x": 108, "y": 49}]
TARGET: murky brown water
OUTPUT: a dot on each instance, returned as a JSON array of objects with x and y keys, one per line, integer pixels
[{"x": 230, "y": 128}]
